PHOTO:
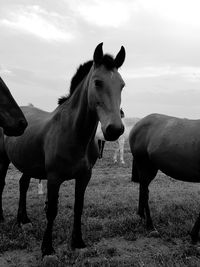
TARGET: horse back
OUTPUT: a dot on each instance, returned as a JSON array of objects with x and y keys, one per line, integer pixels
[
  {"x": 172, "y": 144},
  {"x": 26, "y": 151}
]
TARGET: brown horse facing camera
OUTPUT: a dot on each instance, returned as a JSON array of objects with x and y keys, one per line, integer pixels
[{"x": 60, "y": 145}]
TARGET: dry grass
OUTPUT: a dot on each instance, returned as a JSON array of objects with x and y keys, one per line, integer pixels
[{"x": 114, "y": 234}]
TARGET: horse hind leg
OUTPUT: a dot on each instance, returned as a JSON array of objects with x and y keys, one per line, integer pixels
[
  {"x": 135, "y": 173},
  {"x": 136, "y": 179},
  {"x": 22, "y": 217},
  {"x": 147, "y": 173},
  {"x": 3, "y": 170}
]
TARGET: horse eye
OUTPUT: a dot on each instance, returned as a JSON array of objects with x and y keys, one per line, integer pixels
[{"x": 98, "y": 83}]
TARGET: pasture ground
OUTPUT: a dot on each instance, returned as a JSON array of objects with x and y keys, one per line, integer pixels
[{"x": 114, "y": 234}]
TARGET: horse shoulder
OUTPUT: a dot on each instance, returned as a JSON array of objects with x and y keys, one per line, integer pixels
[{"x": 93, "y": 151}]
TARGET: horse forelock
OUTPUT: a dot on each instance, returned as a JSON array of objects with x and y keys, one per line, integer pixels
[
  {"x": 108, "y": 62},
  {"x": 82, "y": 71}
]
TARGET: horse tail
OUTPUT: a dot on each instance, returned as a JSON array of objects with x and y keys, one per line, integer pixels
[{"x": 135, "y": 175}]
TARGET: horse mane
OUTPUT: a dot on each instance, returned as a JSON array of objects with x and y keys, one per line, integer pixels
[{"x": 82, "y": 71}]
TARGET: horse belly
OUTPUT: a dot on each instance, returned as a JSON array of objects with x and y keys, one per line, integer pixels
[
  {"x": 178, "y": 167},
  {"x": 26, "y": 158}
]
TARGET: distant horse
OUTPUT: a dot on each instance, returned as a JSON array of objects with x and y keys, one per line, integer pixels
[
  {"x": 120, "y": 142},
  {"x": 169, "y": 144},
  {"x": 119, "y": 149},
  {"x": 100, "y": 140},
  {"x": 12, "y": 119},
  {"x": 60, "y": 145}
]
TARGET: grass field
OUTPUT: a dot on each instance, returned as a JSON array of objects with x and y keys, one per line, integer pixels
[{"x": 114, "y": 234}]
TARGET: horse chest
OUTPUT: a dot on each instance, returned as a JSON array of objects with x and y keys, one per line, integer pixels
[{"x": 69, "y": 167}]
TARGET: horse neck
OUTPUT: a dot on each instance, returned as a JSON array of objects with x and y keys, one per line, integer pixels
[{"x": 78, "y": 117}]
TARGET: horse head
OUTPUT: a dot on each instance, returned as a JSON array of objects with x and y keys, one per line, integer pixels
[
  {"x": 104, "y": 94},
  {"x": 12, "y": 119}
]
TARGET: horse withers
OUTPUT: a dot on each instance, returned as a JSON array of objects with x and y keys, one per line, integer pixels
[
  {"x": 60, "y": 145},
  {"x": 12, "y": 119},
  {"x": 169, "y": 144}
]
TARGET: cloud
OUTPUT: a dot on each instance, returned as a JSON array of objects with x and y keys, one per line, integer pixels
[
  {"x": 180, "y": 11},
  {"x": 5, "y": 71},
  {"x": 35, "y": 20},
  {"x": 188, "y": 73},
  {"x": 104, "y": 13}
]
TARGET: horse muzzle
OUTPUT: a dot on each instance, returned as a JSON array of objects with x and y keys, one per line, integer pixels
[
  {"x": 113, "y": 132},
  {"x": 16, "y": 130}
]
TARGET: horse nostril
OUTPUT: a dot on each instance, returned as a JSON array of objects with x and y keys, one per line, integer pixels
[
  {"x": 22, "y": 123},
  {"x": 113, "y": 132},
  {"x": 110, "y": 129}
]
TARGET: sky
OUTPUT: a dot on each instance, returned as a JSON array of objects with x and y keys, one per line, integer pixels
[{"x": 42, "y": 43}]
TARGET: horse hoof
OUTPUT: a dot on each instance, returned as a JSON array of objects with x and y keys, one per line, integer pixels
[
  {"x": 77, "y": 244},
  {"x": 154, "y": 233},
  {"x": 50, "y": 261},
  {"x": 194, "y": 239}
]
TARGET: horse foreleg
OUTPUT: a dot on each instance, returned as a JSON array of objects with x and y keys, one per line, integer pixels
[
  {"x": 22, "y": 217},
  {"x": 81, "y": 184},
  {"x": 3, "y": 171},
  {"x": 102, "y": 148},
  {"x": 121, "y": 150},
  {"x": 51, "y": 212},
  {"x": 141, "y": 202},
  {"x": 101, "y": 144},
  {"x": 115, "y": 154}
]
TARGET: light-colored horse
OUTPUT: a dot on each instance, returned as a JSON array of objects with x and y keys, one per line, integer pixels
[{"x": 120, "y": 148}]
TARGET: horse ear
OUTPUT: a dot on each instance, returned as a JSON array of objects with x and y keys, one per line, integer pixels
[
  {"x": 98, "y": 54},
  {"x": 120, "y": 57}
]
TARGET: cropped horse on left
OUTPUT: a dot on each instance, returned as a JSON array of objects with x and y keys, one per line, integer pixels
[
  {"x": 12, "y": 119},
  {"x": 60, "y": 145}
]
